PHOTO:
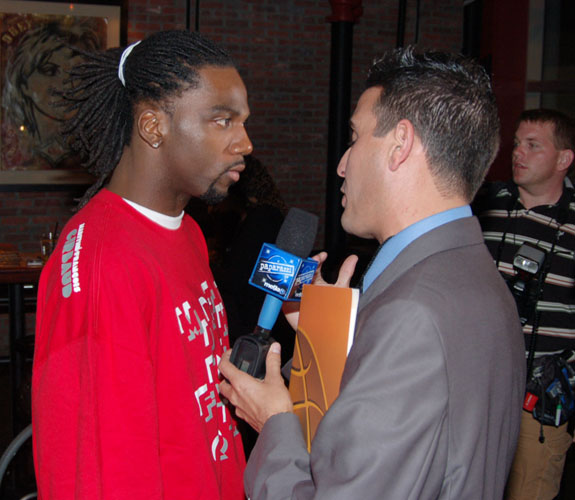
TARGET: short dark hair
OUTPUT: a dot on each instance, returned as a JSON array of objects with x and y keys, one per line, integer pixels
[
  {"x": 563, "y": 127},
  {"x": 161, "y": 67},
  {"x": 449, "y": 100}
]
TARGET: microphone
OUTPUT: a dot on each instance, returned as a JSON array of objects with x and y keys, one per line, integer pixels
[{"x": 281, "y": 270}]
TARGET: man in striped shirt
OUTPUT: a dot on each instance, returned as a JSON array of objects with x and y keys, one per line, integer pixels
[{"x": 538, "y": 209}]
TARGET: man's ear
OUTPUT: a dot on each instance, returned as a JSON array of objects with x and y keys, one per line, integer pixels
[
  {"x": 150, "y": 124},
  {"x": 565, "y": 159},
  {"x": 403, "y": 137}
]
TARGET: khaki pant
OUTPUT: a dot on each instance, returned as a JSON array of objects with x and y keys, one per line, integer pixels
[{"x": 537, "y": 468}]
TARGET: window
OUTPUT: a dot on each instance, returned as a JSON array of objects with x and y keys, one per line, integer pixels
[{"x": 551, "y": 56}]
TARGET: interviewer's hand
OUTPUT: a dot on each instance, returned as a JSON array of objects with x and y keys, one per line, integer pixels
[
  {"x": 345, "y": 271},
  {"x": 291, "y": 309},
  {"x": 256, "y": 400}
]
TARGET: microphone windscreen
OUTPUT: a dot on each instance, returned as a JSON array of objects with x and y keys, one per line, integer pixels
[{"x": 297, "y": 233}]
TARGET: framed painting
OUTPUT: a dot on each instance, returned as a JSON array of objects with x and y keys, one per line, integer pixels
[{"x": 37, "y": 41}]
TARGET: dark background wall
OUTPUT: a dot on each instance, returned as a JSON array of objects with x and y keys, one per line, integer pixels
[
  {"x": 282, "y": 48},
  {"x": 283, "y": 51}
]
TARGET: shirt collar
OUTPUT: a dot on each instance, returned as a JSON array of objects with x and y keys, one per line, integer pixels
[
  {"x": 394, "y": 245},
  {"x": 166, "y": 221}
]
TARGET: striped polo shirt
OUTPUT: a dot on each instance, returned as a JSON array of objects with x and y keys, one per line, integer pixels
[{"x": 507, "y": 225}]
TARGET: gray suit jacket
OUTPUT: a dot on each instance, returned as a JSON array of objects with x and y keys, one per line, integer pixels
[{"x": 431, "y": 394}]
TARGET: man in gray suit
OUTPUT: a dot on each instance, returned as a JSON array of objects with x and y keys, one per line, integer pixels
[{"x": 431, "y": 394}]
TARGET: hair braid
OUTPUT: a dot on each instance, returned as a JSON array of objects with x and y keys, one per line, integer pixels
[
  {"x": 96, "y": 130},
  {"x": 162, "y": 66}
]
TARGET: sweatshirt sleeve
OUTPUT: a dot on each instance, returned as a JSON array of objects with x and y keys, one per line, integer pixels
[{"x": 94, "y": 402}]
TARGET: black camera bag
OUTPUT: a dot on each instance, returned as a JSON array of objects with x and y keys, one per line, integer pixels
[{"x": 552, "y": 380}]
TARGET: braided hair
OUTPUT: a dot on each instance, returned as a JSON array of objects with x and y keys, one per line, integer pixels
[{"x": 161, "y": 67}]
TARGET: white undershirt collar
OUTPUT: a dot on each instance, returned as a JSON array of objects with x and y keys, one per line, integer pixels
[{"x": 163, "y": 220}]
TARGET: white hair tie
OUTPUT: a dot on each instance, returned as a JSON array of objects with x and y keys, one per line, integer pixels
[{"x": 125, "y": 54}]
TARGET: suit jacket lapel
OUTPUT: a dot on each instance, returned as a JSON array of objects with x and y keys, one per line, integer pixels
[{"x": 459, "y": 233}]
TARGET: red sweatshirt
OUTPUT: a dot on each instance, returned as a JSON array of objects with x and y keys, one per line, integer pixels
[{"x": 130, "y": 331}]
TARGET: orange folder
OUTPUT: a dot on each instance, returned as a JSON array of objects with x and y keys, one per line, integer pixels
[{"x": 323, "y": 339}]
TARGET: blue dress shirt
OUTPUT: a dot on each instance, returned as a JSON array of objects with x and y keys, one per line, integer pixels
[{"x": 394, "y": 245}]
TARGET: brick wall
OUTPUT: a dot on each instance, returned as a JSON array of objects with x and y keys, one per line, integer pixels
[
  {"x": 24, "y": 217},
  {"x": 27, "y": 215},
  {"x": 282, "y": 48}
]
